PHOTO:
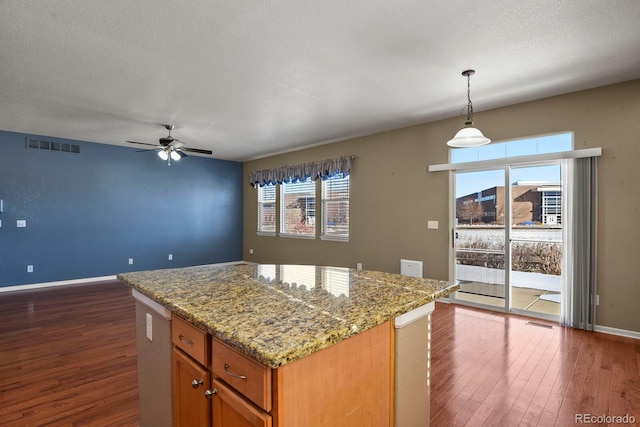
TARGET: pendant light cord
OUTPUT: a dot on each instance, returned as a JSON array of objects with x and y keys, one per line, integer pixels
[{"x": 469, "y": 104}]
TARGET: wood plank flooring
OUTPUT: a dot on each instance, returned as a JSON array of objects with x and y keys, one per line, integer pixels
[
  {"x": 492, "y": 369},
  {"x": 68, "y": 358}
]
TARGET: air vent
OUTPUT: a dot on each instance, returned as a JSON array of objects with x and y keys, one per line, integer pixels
[
  {"x": 41, "y": 144},
  {"x": 541, "y": 325}
]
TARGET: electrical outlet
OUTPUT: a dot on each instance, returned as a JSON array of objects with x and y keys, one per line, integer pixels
[
  {"x": 359, "y": 266},
  {"x": 149, "y": 327},
  {"x": 170, "y": 257},
  {"x": 432, "y": 225},
  {"x": 21, "y": 223},
  {"x": 250, "y": 251},
  {"x": 130, "y": 261},
  {"x": 29, "y": 268}
]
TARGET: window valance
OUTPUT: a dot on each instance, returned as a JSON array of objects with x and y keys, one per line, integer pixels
[{"x": 322, "y": 169}]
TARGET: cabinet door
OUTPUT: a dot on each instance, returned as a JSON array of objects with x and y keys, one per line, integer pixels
[
  {"x": 191, "y": 408},
  {"x": 231, "y": 410}
]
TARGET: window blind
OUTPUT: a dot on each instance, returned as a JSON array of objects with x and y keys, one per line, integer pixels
[
  {"x": 335, "y": 207},
  {"x": 298, "y": 209}
]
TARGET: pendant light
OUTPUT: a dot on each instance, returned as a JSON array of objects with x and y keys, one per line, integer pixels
[{"x": 468, "y": 136}]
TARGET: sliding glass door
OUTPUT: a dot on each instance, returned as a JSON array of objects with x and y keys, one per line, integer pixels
[
  {"x": 479, "y": 237},
  {"x": 536, "y": 239},
  {"x": 507, "y": 238}
]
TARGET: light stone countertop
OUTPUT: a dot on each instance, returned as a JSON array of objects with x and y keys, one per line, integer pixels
[{"x": 277, "y": 314}]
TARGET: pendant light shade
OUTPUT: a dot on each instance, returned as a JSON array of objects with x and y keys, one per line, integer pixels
[{"x": 468, "y": 136}]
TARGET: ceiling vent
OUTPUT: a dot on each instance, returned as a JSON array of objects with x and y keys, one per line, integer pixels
[{"x": 41, "y": 144}]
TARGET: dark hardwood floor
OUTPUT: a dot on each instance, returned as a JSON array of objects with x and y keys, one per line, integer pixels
[
  {"x": 490, "y": 369},
  {"x": 68, "y": 358}
]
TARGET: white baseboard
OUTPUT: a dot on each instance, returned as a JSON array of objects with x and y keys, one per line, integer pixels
[
  {"x": 59, "y": 283},
  {"x": 619, "y": 332},
  {"x": 83, "y": 280}
]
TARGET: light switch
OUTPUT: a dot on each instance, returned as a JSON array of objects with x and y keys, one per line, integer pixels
[
  {"x": 21, "y": 223},
  {"x": 432, "y": 224}
]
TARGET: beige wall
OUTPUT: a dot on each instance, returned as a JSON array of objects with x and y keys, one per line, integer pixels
[{"x": 393, "y": 195}]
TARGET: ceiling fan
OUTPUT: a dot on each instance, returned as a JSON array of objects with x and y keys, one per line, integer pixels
[{"x": 171, "y": 148}]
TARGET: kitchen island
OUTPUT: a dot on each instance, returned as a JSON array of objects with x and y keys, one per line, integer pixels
[{"x": 328, "y": 344}]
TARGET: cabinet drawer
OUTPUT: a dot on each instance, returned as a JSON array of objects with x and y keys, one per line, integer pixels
[
  {"x": 247, "y": 376},
  {"x": 191, "y": 340}
]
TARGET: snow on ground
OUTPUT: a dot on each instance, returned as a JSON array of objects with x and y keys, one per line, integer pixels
[{"x": 519, "y": 279}]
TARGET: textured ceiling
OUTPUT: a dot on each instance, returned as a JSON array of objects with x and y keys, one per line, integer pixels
[{"x": 251, "y": 78}]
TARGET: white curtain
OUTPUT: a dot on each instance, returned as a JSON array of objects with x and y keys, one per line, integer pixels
[{"x": 580, "y": 193}]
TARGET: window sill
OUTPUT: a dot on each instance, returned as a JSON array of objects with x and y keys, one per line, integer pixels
[
  {"x": 335, "y": 238},
  {"x": 266, "y": 233},
  {"x": 297, "y": 236}
]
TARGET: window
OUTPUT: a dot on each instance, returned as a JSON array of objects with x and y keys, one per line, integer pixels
[
  {"x": 298, "y": 209},
  {"x": 525, "y": 147},
  {"x": 335, "y": 208},
  {"x": 267, "y": 210}
]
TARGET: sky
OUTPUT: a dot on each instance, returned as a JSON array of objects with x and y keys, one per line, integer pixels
[{"x": 472, "y": 182}]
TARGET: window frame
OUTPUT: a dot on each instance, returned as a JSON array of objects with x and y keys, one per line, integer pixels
[
  {"x": 324, "y": 201},
  {"x": 284, "y": 210},
  {"x": 261, "y": 202}
]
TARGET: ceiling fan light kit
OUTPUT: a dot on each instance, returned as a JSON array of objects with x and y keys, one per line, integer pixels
[
  {"x": 171, "y": 148},
  {"x": 468, "y": 136}
]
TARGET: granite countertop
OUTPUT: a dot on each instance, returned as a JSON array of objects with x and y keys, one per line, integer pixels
[{"x": 280, "y": 313}]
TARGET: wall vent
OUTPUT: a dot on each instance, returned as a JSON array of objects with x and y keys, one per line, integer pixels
[{"x": 41, "y": 144}]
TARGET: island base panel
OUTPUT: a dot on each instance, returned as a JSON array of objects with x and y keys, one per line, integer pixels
[
  {"x": 345, "y": 385},
  {"x": 412, "y": 353},
  {"x": 154, "y": 369}
]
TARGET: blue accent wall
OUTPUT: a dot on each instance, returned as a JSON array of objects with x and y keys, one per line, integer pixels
[{"x": 88, "y": 213}]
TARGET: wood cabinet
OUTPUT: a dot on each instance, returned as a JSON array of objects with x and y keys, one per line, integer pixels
[
  {"x": 347, "y": 384},
  {"x": 242, "y": 389},
  {"x": 191, "y": 407},
  {"x": 250, "y": 378},
  {"x": 193, "y": 341},
  {"x": 240, "y": 394},
  {"x": 231, "y": 410}
]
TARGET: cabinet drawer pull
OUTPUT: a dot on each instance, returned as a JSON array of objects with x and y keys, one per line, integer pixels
[
  {"x": 184, "y": 340},
  {"x": 226, "y": 369}
]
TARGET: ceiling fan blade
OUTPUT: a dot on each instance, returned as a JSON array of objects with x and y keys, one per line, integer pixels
[
  {"x": 197, "y": 150},
  {"x": 143, "y": 143},
  {"x": 180, "y": 153},
  {"x": 150, "y": 149}
]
